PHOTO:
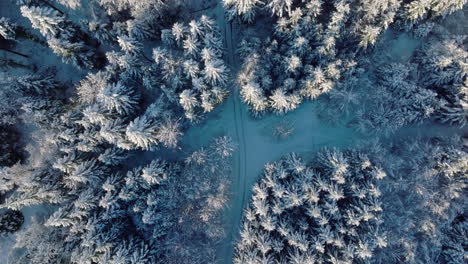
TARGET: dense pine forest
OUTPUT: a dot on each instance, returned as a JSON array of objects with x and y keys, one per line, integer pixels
[{"x": 233, "y": 131}]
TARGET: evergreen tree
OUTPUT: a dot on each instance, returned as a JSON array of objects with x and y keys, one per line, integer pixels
[
  {"x": 242, "y": 8},
  {"x": 119, "y": 98},
  {"x": 45, "y": 19},
  {"x": 143, "y": 133}
]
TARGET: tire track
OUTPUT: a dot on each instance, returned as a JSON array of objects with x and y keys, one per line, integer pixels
[
  {"x": 241, "y": 114},
  {"x": 239, "y": 194}
]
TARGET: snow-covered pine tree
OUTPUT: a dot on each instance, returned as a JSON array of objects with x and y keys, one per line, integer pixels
[
  {"x": 37, "y": 84},
  {"x": 90, "y": 86},
  {"x": 76, "y": 53},
  {"x": 188, "y": 101},
  {"x": 72, "y": 4},
  {"x": 215, "y": 72},
  {"x": 142, "y": 132},
  {"x": 113, "y": 156},
  {"x": 168, "y": 132},
  {"x": 119, "y": 98},
  {"x": 419, "y": 9},
  {"x": 280, "y": 7},
  {"x": 47, "y": 20},
  {"x": 155, "y": 173},
  {"x": 129, "y": 45},
  {"x": 246, "y": 9}
]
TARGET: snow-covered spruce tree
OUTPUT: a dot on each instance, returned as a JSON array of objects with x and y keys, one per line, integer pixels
[
  {"x": 118, "y": 98},
  {"x": 72, "y": 4},
  {"x": 37, "y": 84},
  {"x": 45, "y": 19},
  {"x": 280, "y": 7},
  {"x": 142, "y": 133},
  {"x": 10, "y": 221},
  {"x": 63, "y": 36},
  {"x": 92, "y": 85},
  {"x": 113, "y": 156},
  {"x": 326, "y": 212},
  {"x": 77, "y": 53},
  {"x": 37, "y": 186},
  {"x": 246, "y": 9},
  {"x": 136, "y": 18},
  {"x": 193, "y": 72}
]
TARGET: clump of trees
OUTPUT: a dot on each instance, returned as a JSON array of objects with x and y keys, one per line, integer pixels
[
  {"x": 422, "y": 196},
  {"x": 318, "y": 47},
  {"x": 109, "y": 215},
  {"x": 437, "y": 88},
  {"x": 396, "y": 99},
  {"x": 328, "y": 211},
  {"x": 402, "y": 201},
  {"x": 193, "y": 73},
  {"x": 63, "y": 36},
  {"x": 442, "y": 64}
]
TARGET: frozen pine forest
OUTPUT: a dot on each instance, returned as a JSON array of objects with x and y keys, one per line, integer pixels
[{"x": 233, "y": 131}]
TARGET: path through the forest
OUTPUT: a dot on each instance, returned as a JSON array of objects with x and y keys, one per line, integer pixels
[{"x": 239, "y": 174}]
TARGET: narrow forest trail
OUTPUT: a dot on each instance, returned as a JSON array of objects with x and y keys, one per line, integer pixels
[{"x": 239, "y": 174}]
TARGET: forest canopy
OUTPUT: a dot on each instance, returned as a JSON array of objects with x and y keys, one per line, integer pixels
[{"x": 233, "y": 131}]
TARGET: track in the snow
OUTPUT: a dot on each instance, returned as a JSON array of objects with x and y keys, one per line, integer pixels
[{"x": 240, "y": 183}]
